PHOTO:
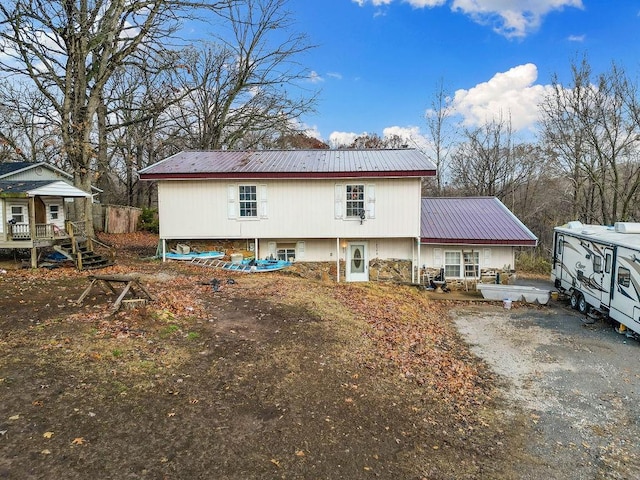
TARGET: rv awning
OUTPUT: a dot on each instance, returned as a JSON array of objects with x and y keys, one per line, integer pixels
[{"x": 40, "y": 188}]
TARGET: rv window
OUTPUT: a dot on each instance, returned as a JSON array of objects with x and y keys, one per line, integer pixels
[
  {"x": 607, "y": 263},
  {"x": 560, "y": 245},
  {"x": 597, "y": 264},
  {"x": 624, "y": 276}
]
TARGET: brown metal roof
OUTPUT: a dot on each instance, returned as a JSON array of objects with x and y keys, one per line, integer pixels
[
  {"x": 472, "y": 221},
  {"x": 291, "y": 164}
]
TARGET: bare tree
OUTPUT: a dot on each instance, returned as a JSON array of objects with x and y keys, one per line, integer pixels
[
  {"x": 69, "y": 49},
  {"x": 483, "y": 164},
  {"x": 245, "y": 90},
  {"x": 440, "y": 133},
  {"x": 592, "y": 128},
  {"x": 28, "y": 129}
]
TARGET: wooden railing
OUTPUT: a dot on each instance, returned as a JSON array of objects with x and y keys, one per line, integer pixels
[
  {"x": 76, "y": 229},
  {"x": 43, "y": 231}
]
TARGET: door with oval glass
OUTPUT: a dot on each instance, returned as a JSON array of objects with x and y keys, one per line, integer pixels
[{"x": 357, "y": 262}]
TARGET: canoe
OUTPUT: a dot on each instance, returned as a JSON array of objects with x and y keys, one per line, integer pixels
[
  {"x": 515, "y": 293},
  {"x": 193, "y": 255},
  {"x": 256, "y": 266}
]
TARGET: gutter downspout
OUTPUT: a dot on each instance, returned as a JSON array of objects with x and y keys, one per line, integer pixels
[{"x": 164, "y": 250}]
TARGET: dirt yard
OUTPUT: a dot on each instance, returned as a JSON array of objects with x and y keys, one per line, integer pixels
[{"x": 275, "y": 376}]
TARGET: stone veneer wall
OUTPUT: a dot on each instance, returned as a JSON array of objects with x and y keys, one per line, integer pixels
[{"x": 379, "y": 270}]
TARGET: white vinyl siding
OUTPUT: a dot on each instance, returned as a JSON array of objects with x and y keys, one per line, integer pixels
[
  {"x": 297, "y": 209},
  {"x": 371, "y": 200},
  {"x": 263, "y": 201},
  {"x": 338, "y": 192},
  {"x": 231, "y": 201}
]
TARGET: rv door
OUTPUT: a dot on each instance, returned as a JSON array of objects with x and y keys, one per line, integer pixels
[
  {"x": 558, "y": 261},
  {"x": 607, "y": 275}
]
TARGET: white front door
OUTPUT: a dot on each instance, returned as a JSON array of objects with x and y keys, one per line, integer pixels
[{"x": 357, "y": 262}]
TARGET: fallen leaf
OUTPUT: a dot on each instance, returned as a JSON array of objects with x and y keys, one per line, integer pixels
[
  {"x": 47, "y": 434},
  {"x": 275, "y": 462},
  {"x": 78, "y": 441},
  {"x": 299, "y": 453},
  {"x": 171, "y": 414},
  {"x": 14, "y": 417},
  {"x": 46, "y": 451}
]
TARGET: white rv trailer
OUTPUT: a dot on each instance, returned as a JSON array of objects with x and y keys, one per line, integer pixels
[{"x": 599, "y": 267}]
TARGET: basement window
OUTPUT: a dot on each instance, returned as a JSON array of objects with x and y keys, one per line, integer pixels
[{"x": 286, "y": 252}]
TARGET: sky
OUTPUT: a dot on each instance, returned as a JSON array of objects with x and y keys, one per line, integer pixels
[{"x": 377, "y": 64}]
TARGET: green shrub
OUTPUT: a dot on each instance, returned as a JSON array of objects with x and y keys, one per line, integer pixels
[
  {"x": 149, "y": 220},
  {"x": 533, "y": 262}
]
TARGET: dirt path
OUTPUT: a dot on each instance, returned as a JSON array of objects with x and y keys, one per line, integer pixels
[{"x": 577, "y": 383}]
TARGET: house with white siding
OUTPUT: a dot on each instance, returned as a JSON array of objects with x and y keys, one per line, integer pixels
[
  {"x": 469, "y": 237},
  {"x": 33, "y": 206},
  {"x": 343, "y": 206}
]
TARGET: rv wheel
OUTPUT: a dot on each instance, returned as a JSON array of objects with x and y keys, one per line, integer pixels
[
  {"x": 583, "y": 306},
  {"x": 575, "y": 297}
]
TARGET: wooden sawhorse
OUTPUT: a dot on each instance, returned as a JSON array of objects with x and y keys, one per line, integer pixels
[{"x": 131, "y": 284}]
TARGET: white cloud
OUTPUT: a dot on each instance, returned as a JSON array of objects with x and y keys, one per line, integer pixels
[
  {"x": 411, "y": 134},
  {"x": 577, "y": 38},
  {"x": 510, "y": 94},
  {"x": 511, "y": 18},
  {"x": 376, "y": 3},
  {"x": 314, "y": 77},
  {"x": 342, "y": 138},
  {"x": 336, "y": 75},
  {"x": 313, "y": 132},
  {"x": 426, "y": 3}
]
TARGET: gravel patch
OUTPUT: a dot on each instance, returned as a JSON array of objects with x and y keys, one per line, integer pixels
[{"x": 577, "y": 383}]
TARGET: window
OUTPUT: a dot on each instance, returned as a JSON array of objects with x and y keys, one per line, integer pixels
[
  {"x": 286, "y": 254},
  {"x": 624, "y": 276},
  {"x": 597, "y": 264},
  {"x": 54, "y": 212},
  {"x": 452, "y": 264},
  {"x": 607, "y": 263},
  {"x": 248, "y": 197},
  {"x": 355, "y": 200},
  {"x": 17, "y": 214}
]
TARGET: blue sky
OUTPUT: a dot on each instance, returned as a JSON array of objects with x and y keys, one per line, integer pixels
[{"x": 378, "y": 62}]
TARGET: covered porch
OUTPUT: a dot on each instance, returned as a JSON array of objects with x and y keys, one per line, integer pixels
[{"x": 33, "y": 215}]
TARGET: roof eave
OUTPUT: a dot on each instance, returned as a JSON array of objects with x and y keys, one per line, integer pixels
[
  {"x": 474, "y": 241},
  {"x": 289, "y": 175}
]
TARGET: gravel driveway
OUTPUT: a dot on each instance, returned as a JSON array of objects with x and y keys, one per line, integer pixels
[{"x": 578, "y": 385}]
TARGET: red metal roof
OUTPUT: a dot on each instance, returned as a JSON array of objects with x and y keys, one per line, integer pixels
[
  {"x": 291, "y": 164},
  {"x": 472, "y": 221}
]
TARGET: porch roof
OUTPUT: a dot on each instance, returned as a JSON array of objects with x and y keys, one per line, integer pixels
[
  {"x": 40, "y": 188},
  {"x": 472, "y": 221}
]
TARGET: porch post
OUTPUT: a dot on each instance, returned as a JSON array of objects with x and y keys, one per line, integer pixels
[
  {"x": 338, "y": 259},
  {"x": 32, "y": 232}
]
